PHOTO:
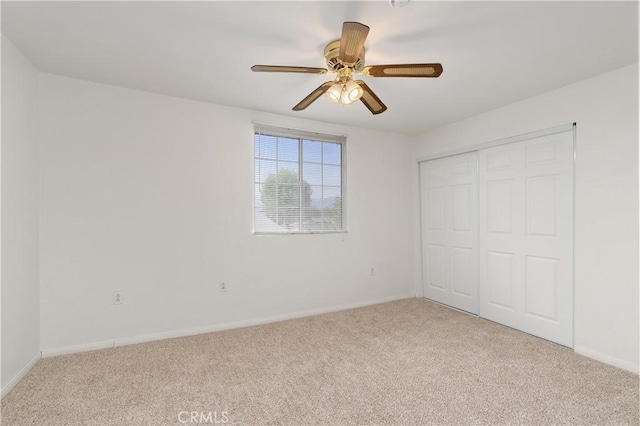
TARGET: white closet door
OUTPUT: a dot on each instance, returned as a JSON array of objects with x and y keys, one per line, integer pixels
[
  {"x": 526, "y": 236},
  {"x": 449, "y": 206}
]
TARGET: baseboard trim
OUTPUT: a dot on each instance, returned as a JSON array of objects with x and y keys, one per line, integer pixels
[
  {"x": 607, "y": 359},
  {"x": 66, "y": 350},
  {"x": 23, "y": 372},
  {"x": 215, "y": 327}
]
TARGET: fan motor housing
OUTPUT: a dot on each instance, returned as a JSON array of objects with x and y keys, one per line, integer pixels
[{"x": 332, "y": 53}]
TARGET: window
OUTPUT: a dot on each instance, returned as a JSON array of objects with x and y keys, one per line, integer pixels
[{"x": 299, "y": 181}]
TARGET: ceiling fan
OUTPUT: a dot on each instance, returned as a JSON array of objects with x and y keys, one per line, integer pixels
[{"x": 345, "y": 57}]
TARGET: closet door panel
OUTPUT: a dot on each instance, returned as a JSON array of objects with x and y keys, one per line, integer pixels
[
  {"x": 526, "y": 236},
  {"x": 434, "y": 238},
  {"x": 450, "y": 230}
]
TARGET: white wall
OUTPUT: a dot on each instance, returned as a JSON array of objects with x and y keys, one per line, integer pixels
[
  {"x": 605, "y": 109},
  {"x": 20, "y": 263},
  {"x": 153, "y": 196}
]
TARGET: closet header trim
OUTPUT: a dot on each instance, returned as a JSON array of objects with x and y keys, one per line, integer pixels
[{"x": 517, "y": 138}]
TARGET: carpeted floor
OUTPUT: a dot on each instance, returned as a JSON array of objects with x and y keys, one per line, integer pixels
[{"x": 406, "y": 362}]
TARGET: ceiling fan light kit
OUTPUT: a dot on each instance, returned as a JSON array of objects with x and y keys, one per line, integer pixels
[
  {"x": 344, "y": 93},
  {"x": 345, "y": 57}
]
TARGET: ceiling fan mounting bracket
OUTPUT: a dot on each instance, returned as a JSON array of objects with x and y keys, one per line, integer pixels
[{"x": 332, "y": 53}]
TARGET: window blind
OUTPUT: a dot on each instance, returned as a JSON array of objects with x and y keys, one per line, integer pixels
[{"x": 298, "y": 181}]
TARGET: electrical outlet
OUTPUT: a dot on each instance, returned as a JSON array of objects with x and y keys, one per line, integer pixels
[
  {"x": 372, "y": 272},
  {"x": 223, "y": 287},
  {"x": 118, "y": 297}
]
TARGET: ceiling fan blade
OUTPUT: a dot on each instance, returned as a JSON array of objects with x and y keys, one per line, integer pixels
[
  {"x": 278, "y": 68},
  {"x": 370, "y": 100},
  {"x": 352, "y": 42},
  {"x": 403, "y": 70},
  {"x": 313, "y": 96}
]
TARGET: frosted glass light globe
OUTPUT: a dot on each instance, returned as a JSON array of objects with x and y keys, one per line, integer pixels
[{"x": 334, "y": 93}]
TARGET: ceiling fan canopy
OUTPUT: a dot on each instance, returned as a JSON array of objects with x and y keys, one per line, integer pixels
[{"x": 344, "y": 58}]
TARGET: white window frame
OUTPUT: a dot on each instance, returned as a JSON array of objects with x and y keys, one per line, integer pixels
[{"x": 302, "y": 135}]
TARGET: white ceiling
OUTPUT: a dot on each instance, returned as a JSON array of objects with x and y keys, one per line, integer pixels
[{"x": 493, "y": 53}]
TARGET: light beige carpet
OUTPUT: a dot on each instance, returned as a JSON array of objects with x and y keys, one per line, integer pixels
[{"x": 406, "y": 362}]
